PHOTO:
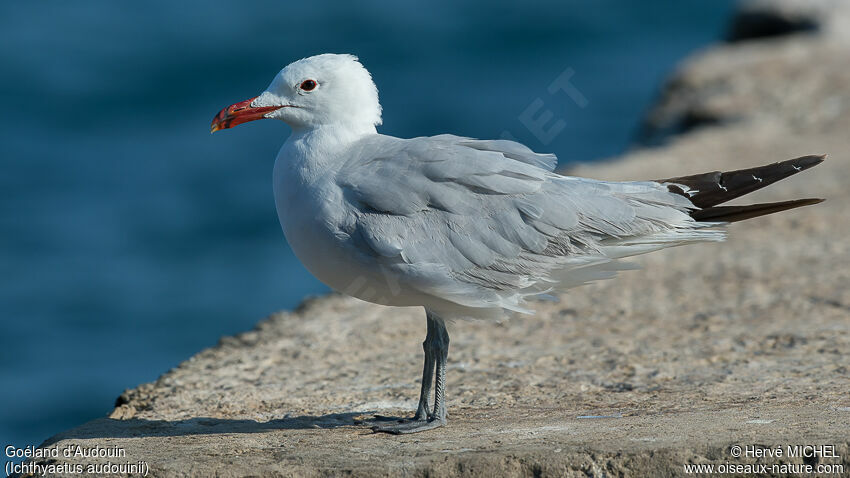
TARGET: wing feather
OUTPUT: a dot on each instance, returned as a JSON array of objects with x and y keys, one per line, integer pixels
[{"x": 484, "y": 224}]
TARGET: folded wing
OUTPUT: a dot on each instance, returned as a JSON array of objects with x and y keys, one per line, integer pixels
[{"x": 485, "y": 224}]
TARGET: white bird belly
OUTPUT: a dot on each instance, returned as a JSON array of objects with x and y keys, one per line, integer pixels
[{"x": 311, "y": 216}]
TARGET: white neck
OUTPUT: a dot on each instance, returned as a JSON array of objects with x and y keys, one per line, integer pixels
[{"x": 311, "y": 152}]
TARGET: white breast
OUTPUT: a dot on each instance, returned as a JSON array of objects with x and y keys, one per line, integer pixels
[
  {"x": 309, "y": 215},
  {"x": 317, "y": 220}
]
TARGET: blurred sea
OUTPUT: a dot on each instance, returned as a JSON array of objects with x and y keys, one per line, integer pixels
[{"x": 130, "y": 238}]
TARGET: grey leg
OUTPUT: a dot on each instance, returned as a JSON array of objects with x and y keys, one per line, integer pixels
[
  {"x": 436, "y": 347},
  {"x": 427, "y": 376},
  {"x": 442, "y": 352}
]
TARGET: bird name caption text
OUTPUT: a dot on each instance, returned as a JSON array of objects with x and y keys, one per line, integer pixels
[{"x": 43, "y": 461}]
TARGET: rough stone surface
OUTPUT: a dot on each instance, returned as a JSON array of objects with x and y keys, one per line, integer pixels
[
  {"x": 799, "y": 79},
  {"x": 709, "y": 346}
]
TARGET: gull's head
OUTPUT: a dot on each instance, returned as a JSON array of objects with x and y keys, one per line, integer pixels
[{"x": 320, "y": 90}]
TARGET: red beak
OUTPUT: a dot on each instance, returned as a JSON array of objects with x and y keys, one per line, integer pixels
[{"x": 239, "y": 113}]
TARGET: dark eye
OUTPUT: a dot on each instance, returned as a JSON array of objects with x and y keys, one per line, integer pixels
[{"x": 308, "y": 85}]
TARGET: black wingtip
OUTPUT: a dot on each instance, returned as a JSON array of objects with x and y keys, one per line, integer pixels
[
  {"x": 807, "y": 201},
  {"x": 710, "y": 189},
  {"x": 740, "y": 213},
  {"x": 806, "y": 162}
]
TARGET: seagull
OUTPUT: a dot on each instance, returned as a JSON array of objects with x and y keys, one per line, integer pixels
[{"x": 466, "y": 228}]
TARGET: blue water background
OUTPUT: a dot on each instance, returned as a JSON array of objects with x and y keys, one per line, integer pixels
[{"x": 130, "y": 238}]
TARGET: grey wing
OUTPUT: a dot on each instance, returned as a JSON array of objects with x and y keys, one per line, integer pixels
[{"x": 485, "y": 224}]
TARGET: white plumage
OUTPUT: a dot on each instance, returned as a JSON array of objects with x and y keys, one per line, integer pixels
[{"x": 463, "y": 227}]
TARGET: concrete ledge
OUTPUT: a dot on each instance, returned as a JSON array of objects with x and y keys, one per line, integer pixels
[{"x": 743, "y": 343}]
